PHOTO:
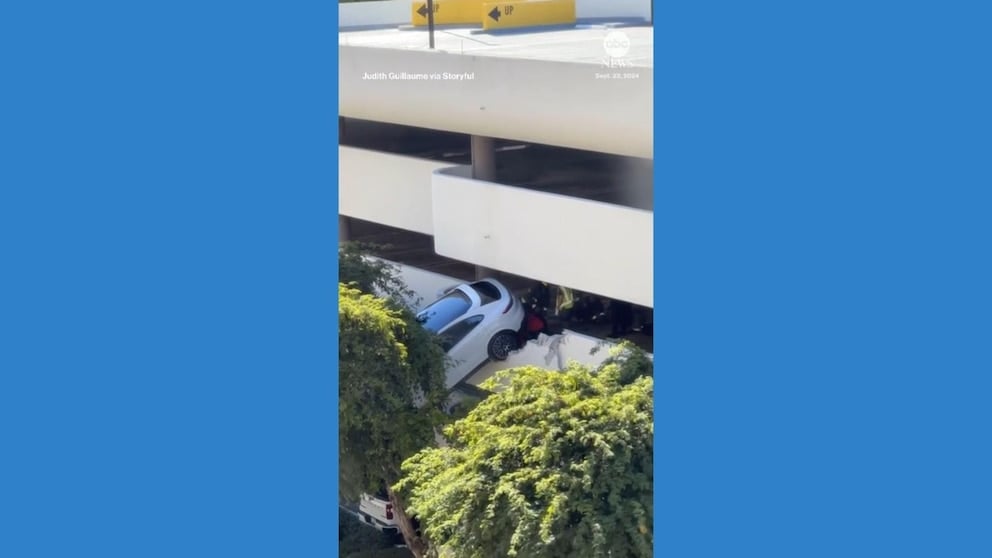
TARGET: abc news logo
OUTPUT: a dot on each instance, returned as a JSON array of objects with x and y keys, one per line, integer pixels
[{"x": 617, "y": 45}]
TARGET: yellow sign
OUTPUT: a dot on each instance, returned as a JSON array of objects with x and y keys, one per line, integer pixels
[
  {"x": 527, "y": 13},
  {"x": 447, "y": 12}
]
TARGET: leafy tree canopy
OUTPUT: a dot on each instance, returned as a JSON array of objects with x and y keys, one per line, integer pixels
[
  {"x": 552, "y": 465},
  {"x": 370, "y": 275},
  {"x": 384, "y": 360},
  {"x": 391, "y": 380}
]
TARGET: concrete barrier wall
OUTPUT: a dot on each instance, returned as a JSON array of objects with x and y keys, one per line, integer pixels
[
  {"x": 595, "y": 247},
  {"x": 426, "y": 285},
  {"x": 562, "y": 102},
  {"x": 592, "y": 246},
  {"x": 552, "y": 353},
  {"x": 588, "y": 9},
  {"x": 392, "y": 190},
  {"x": 380, "y": 12}
]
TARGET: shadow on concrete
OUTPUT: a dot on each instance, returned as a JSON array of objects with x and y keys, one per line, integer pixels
[
  {"x": 597, "y": 23},
  {"x": 371, "y": 27},
  {"x": 474, "y": 29}
]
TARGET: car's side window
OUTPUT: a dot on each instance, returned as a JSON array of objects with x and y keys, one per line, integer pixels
[{"x": 457, "y": 332}]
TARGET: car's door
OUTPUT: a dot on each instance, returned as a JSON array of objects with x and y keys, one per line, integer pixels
[{"x": 459, "y": 340}]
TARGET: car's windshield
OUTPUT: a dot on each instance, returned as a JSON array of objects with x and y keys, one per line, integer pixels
[{"x": 436, "y": 316}]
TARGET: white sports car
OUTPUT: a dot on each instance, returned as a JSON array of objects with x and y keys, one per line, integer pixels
[{"x": 475, "y": 321}]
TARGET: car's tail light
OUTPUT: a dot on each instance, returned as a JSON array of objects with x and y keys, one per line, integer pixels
[
  {"x": 389, "y": 511},
  {"x": 508, "y": 306}
]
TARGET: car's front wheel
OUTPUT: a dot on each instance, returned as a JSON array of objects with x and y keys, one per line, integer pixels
[{"x": 502, "y": 344}]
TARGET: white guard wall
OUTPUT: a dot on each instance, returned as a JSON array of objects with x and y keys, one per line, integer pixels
[
  {"x": 381, "y": 12},
  {"x": 397, "y": 12},
  {"x": 552, "y": 353},
  {"x": 546, "y": 353},
  {"x": 427, "y": 286},
  {"x": 613, "y": 8},
  {"x": 539, "y": 101},
  {"x": 586, "y": 245},
  {"x": 393, "y": 190}
]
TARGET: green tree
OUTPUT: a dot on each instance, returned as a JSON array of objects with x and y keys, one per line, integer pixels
[
  {"x": 553, "y": 464},
  {"x": 391, "y": 382},
  {"x": 371, "y": 275}
]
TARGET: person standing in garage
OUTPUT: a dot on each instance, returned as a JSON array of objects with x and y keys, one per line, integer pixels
[
  {"x": 564, "y": 303},
  {"x": 539, "y": 298},
  {"x": 621, "y": 317},
  {"x": 534, "y": 325}
]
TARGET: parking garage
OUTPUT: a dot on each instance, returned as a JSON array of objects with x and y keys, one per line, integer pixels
[{"x": 589, "y": 175}]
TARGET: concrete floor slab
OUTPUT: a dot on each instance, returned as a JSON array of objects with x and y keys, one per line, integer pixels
[{"x": 583, "y": 43}]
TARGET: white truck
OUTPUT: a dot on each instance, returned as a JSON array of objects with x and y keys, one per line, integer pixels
[{"x": 375, "y": 511}]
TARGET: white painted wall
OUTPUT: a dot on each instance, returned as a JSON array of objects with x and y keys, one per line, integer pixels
[
  {"x": 393, "y": 190},
  {"x": 426, "y": 285},
  {"x": 539, "y": 101},
  {"x": 552, "y": 353},
  {"x": 586, "y": 245},
  {"x": 544, "y": 353},
  {"x": 381, "y": 12},
  {"x": 613, "y": 8},
  {"x": 397, "y": 12}
]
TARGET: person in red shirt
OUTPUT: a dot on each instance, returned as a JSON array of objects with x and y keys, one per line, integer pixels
[{"x": 533, "y": 326}]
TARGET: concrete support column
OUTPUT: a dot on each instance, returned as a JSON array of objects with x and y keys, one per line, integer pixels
[
  {"x": 344, "y": 228},
  {"x": 483, "y": 168},
  {"x": 483, "y": 158}
]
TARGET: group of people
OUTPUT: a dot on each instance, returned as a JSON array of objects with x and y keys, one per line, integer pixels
[{"x": 567, "y": 306}]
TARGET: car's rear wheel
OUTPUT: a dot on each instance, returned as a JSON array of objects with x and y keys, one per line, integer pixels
[{"x": 502, "y": 344}]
